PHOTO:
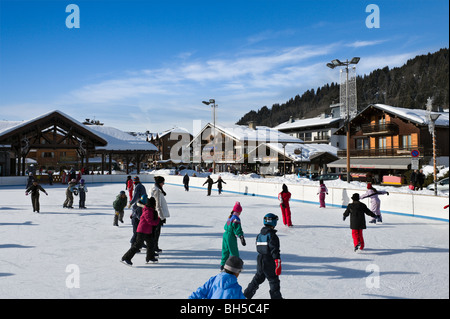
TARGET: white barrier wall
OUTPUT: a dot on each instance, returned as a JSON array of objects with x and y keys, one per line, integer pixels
[{"x": 424, "y": 206}]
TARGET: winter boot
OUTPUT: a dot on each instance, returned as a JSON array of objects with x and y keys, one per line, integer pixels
[{"x": 116, "y": 218}]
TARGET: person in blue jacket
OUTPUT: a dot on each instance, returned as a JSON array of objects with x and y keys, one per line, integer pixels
[
  {"x": 224, "y": 285},
  {"x": 136, "y": 212}
]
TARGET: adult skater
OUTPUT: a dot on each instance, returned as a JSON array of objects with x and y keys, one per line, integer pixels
[
  {"x": 268, "y": 260},
  {"x": 70, "y": 191},
  {"x": 210, "y": 183},
  {"x": 34, "y": 189},
  {"x": 119, "y": 205},
  {"x": 284, "y": 197},
  {"x": 356, "y": 210},
  {"x": 233, "y": 230},
  {"x": 186, "y": 182},
  {"x": 145, "y": 230},
  {"x": 129, "y": 187},
  {"x": 136, "y": 211},
  {"x": 224, "y": 285},
  {"x": 322, "y": 191},
  {"x": 372, "y": 194},
  {"x": 161, "y": 207},
  {"x": 82, "y": 190},
  {"x": 219, "y": 183},
  {"x": 420, "y": 179}
]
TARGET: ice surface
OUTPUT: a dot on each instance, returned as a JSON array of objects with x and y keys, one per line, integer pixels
[{"x": 41, "y": 253}]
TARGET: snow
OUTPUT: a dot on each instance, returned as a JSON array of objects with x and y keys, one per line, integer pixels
[
  {"x": 41, "y": 254},
  {"x": 415, "y": 115}
]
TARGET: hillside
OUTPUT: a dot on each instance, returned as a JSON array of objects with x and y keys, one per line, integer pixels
[{"x": 407, "y": 86}]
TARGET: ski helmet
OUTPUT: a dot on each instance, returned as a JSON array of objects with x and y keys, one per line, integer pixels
[
  {"x": 270, "y": 220},
  {"x": 144, "y": 199}
]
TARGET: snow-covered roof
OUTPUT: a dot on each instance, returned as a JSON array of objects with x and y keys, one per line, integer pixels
[
  {"x": 119, "y": 140},
  {"x": 260, "y": 134},
  {"x": 315, "y": 121},
  {"x": 307, "y": 151},
  {"x": 175, "y": 130},
  {"x": 414, "y": 115}
]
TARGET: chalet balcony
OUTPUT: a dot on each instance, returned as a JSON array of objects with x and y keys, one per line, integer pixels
[
  {"x": 322, "y": 139},
  {"x": 379, "y": 129},
  {"x": 389, "y": 152}
]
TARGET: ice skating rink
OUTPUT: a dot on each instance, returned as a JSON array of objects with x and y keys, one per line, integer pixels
[{"x": 62, "y": 253}]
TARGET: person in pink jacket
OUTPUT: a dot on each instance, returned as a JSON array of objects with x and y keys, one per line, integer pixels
[
  {"x": 321, "y": 192},
  {"x": 149, "y": 219},
  {"x": 284, "y": 197},
  {"x": 372, "y": 194}
]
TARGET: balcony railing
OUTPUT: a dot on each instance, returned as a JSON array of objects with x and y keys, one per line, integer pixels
[
  {"x": 406, "y": 151},
  {"x": 380, "y": 129}
]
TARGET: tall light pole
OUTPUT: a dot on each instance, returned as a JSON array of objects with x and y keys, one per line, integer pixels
[
  {"x": 332, "y": 65},
  {"x": 432, "y": 128},
  {"x": 213, "y": 102}
]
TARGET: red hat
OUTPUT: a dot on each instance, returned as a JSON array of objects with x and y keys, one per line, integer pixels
[
  {"x": 237, "y": 207},
  {"x": 369, "y": 185}
]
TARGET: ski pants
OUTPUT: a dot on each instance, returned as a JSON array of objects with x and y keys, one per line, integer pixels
[
  {"x": 229, "y": 247},
  {"x": 286, "y": 213},
  {"x": 139, "y": 243},
  {"x": 358, "y": 238},
  {"x": 82, "y": 201},
  {"x": 322, "y": 200},
  {"x": 35, "y": 202},
  {"x": 69, "y": 199},
  {"x": 265, "y": 269}
]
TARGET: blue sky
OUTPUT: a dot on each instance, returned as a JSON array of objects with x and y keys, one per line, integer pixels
[{"x": 147, "y": 65}]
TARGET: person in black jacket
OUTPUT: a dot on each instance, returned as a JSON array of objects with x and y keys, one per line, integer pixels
[
  {"x": 219, "y": 184},
  {"x": 34, "y": 189},
  {"x": 268, "y": 260},
  {"x": 356, "y": 210},
  {"x": 186, "y": 182},
  {"x": 210, "y": 183}
]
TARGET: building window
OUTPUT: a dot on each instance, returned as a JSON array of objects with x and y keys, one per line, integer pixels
[
  {"x": 406, "y": 141},
  {"x": 362, "y": 144},
  {"x": 48, "y": 154},
  {"x": 382, "y": 142}
]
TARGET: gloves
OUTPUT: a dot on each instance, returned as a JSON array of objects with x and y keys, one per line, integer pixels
[
  {"x": 278, "y": 267},
  {"x": 343, "y": 218},
  {"x": 387, "y": 193},
  {"x": 26, "y": 193},
  {"x": 242, "y": 240}
]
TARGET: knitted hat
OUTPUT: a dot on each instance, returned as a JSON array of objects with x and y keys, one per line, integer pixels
[
  {"x": 355, "y": 196},
  {"x": 136, "y": 179},
  {"x": 234, "y": 264},
  {"x": 159, "y": 179},
  {"x": 237, "y": 208}
]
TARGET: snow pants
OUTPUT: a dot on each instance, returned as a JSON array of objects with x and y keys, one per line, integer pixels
[
  {"x": 265, "y": 269},
  {"x": 229, "y": 247},
  {"x": 139, "y": 243},
  {"x": 82, "y": 202},
  {"x": 358, "y": 238},
  {"x": 322, "y": 199},
  {"x": 286, "y": 213},
  {"x": 35, "y": 202},
  {"x": 69, "y": 199}
]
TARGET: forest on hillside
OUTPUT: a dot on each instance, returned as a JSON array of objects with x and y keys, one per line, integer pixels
[{"x": 408, "y": 86}]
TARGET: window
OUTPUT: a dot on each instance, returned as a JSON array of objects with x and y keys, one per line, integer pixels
[
  {"x": 406, "y": 141},
  {"x": 48, "y": 154},
  {"x": 382, "y": 142},
  {"x": 362, "y": 144}
]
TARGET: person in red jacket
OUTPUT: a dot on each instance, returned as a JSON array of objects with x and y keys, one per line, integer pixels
[
  {"x": 284, "y": 198},
  {"x": 130, "y": 187}
]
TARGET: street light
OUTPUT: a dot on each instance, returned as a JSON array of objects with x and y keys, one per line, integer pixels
[
  {"x": 213, "y": 102},
  {"x": 433, "y": 118},
  {"x": 335, "y": 63}
]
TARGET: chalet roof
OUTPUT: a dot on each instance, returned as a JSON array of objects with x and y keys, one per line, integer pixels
[
  {"x": 307, "y": 151},
  {"x": 417, "y": 116},
  {"x": 304, "y": 123}
]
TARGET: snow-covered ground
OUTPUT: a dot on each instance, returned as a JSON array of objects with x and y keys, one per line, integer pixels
[{"x": 43, "y": 255}]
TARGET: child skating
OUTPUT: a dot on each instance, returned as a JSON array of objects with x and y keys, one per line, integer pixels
[
  {"x": 372, "y": 194},
  {"x": 119, "y": 205},
  {"x": 284, "y": 197},
  {"x": 268, "y": 260},
  {"x": 322, "y": 191},
  {"x": 82, "y": 190},
  {"x": 233, "y": 230},
  {"x": 356, "y": 210},
  {"x": 34, "y": 189}
]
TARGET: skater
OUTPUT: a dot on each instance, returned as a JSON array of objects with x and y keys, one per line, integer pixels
[
  {"x": 413, "y": 180},
  {"x": 372, "y": 193},
  {"x": 82, "y": 190},
  {"x": 129, "y": 186},
  {"x": 219, "y": 183},
  {"x": 284, "y": 197},
  {"x": 34, "y": 189},
  {"x": 70, "y": 191},
  {"x": 210, "y": 183},
  {"x": 420, "y": 179},
  {"x": 161, "y": 207},
  {"x": 321, "y": 192},
  {"x": 186, "y": 182},
  {"x": 268, "y": 260},
  {"x": 224, "y": 285},
  {"x": 30, "y": 180},
  {"x": 149, "y": 219},
  {"x": 356, "y": 210},
  {"x": 233, "y": 230},
  {"x": 136, "y": 211},
  {"x": 50, "y": 177},
  {"x": 119, "y": 205}
]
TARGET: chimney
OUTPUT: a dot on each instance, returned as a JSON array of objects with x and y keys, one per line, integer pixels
[
  {"x": 252, "y": 125},
  {"x": 291, "y": 119}
]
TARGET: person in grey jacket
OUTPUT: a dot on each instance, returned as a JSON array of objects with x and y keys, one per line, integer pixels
[
  {"x": 161, "y": 207},
  {"x": 136, "y": 211}
]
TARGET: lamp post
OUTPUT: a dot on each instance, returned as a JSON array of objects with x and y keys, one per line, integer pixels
[
  {"x": 433, "y": 118},
  {"x": 335, "y": 63},
  {"x": 213, "y": 102}
]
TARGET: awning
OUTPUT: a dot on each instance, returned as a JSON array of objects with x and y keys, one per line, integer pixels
[{"x": 373, "y": 163}]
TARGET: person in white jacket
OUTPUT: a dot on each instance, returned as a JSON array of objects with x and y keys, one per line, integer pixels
[{"x": 161, "y": 207}]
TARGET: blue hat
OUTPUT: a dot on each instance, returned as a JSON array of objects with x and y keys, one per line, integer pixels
[
  {"x": 270, "y": 220},
  {"x": 144, "y": 199}
]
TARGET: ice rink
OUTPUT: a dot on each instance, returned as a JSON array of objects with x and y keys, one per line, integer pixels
[{"x": 62, "y": 253}]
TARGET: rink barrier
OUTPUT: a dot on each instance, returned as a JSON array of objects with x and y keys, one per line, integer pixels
[{"x": 404, "y": 204}]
